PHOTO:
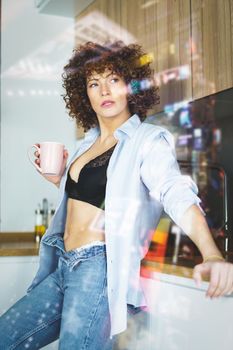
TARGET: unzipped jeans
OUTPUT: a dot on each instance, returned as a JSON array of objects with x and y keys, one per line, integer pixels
[{"x": 70, "y": 304}]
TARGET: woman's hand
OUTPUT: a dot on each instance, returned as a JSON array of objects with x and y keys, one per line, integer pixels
[
  {"x": 220, "y": 274},
  {"x": 55, "y": 179}
]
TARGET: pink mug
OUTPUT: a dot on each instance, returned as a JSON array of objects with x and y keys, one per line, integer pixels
[{"x": 51, "y": 157}]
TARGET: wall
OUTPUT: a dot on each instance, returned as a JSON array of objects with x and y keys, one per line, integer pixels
[{"x": 35, "y": 47}]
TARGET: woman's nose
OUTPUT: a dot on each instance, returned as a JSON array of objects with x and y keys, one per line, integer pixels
[{"x": 105, "y": 90}]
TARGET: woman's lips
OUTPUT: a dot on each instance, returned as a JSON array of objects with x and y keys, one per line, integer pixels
[{"x": 107, "y": 103}]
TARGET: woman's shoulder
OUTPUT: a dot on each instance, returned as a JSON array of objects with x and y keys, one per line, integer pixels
[
  {"x": 155, "y": 139},
  {"x": 152, "y": 133}
]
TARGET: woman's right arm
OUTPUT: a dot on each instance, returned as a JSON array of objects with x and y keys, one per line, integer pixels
[{"x": 55, "y": 179}]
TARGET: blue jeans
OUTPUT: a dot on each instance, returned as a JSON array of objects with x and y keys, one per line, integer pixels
[{"x": 70, "y": 304}]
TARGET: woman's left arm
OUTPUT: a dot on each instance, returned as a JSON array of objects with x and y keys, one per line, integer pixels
[{"x": 220, "y": 272}]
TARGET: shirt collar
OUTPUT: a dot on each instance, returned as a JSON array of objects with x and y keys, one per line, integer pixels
[{"x": 126, "y": 129}]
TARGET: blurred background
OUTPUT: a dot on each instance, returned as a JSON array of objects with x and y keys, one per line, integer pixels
[{"x": 190, "y": 45}]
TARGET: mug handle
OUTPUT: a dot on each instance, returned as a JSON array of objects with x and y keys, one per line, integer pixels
[{"x": 29, "y": 157}]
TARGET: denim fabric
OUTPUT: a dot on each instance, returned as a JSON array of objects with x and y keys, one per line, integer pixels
[{"x": 70, "y": 304}]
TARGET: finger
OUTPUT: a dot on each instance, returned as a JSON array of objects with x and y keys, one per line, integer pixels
[
  {"x": 65, "y": 153},
  {"x": 37, "y": 154},
  {"x": 229, "y": 284},
  {"x": 198, "y": 271},
  {"x": 197, "y": 276},
  {"x": 214, "y": 280},
  {"x": 231, "y": 291},
  {"x": 228, "y": 290},
  {"x": 223, "y": 279}
]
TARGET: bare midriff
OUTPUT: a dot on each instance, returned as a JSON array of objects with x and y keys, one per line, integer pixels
[
  {"x": 84, "y": 224},
  {"x": 84, "y": 221}
]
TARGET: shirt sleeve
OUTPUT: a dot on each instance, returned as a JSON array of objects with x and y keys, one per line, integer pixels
[{"x": 161, "y": 174}]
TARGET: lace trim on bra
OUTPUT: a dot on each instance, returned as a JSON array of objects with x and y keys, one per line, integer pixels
[{"x": 100, "y": 159}]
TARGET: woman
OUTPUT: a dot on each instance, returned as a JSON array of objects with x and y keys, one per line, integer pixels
[{"x": 112, "y": 194}]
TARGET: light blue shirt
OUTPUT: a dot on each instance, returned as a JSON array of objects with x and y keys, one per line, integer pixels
[{"x": 143, "y": 178}]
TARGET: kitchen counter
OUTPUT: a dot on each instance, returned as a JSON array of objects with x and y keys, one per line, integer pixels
[
  {"x": 149, "y": 268},
  {"x": 18, "y": 244}
]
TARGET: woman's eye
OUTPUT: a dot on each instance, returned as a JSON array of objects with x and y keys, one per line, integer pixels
[
  {"x": 114, "y": 80},
  {"x": 92, "y": 85}
]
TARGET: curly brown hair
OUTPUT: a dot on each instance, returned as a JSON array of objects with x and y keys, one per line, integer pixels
[{"x": 125, "y": 61}]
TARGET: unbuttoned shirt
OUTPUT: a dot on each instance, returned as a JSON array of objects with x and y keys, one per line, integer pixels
[{"x": 143, "y": 179}]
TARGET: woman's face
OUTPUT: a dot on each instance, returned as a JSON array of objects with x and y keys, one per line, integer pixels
[{"x": 107, "y": 93}]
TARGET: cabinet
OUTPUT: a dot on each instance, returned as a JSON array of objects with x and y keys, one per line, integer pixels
[
  {"x": 16, "y": 274},
  {"x": 196, "y": 35}
]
